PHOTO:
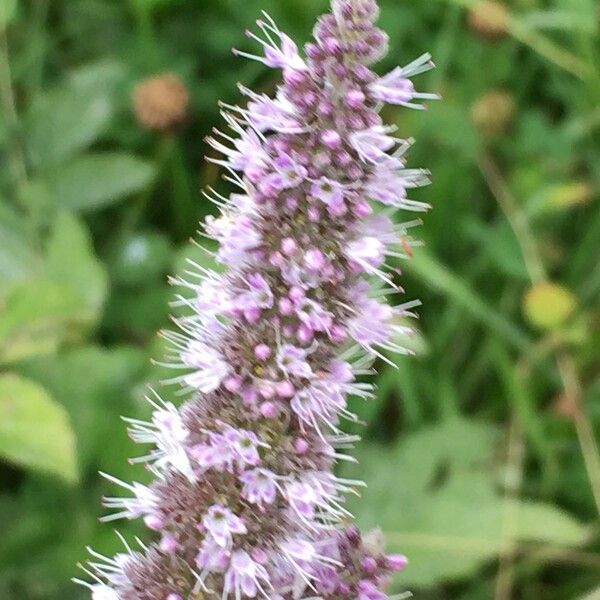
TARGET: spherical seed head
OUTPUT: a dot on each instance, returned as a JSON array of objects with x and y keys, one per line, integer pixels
[
  {"x": 489, "y": 19},
  {"x": 161, "y": 103},
  {"x": 493, "y": 113}
]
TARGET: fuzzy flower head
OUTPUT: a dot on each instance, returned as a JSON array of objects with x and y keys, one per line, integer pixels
[{"x": 246, "y": 502}]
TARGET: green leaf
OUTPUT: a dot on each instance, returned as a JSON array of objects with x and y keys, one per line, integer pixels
[
  {"x": 34, "y": 430},
  {"x": 142, "y": 259},
  {"x": 439, "y": 277},
  {"x": 96, "y": 386},
  {"x": 63, "y": 122},
  {"x": 444, "y": 511},
  {"x": 69, "y": 118},
  {"x": 71, "y": 262},
  {"x": 94, "y": 181},
  {"x": 18, "y": 260},
  {"x": 35, "y": 318},
  {"x": 8, "y": 11},
  {"x": 39, "y": 314}
]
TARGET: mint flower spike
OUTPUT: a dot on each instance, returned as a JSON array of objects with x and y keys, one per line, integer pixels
[{"x": 245, "y": 501}]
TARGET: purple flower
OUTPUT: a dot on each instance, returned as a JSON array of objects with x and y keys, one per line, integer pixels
[
  {"x": 288, "y": 174},
  {"x": 280, "y": 50},
  {"x": 245, "y": 576},
  {"x": 302, "y": 498},
  {"x": 245, "y": 153},
  {"x": 212, "y": 298},
  {"x": 221, "y": 524},
  {"x": 328, "y": 191},
  {"x": 260, "y": 486},
  {"x": 169, "y": 434},
  {"x": 210, "y": 367},
  {"x": 372, "y": 326},
  {"x": 318, "y": 403},
  {"x": 367, "y": 590},
  {"x": 373, "y": 144},
  {"x": 259, "y": 294},
  {"x": 212, "y": 557},
  {"x": 237, "y": 235},
  {"x": 103, "y": 592},
  {"x": 266, "y": 114},
  {"x": 292, "y": 361},
  {"x": 388, "y": 185},
  {"x": 245, "y": 500},
  {"x": 245, "y": 445},
  {"x": 397, "y": 88}
]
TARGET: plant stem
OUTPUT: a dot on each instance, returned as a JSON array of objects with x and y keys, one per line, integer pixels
[
  {"x": 9, "y": 108},
  {"x": 566, "y": 366},
  {"x": 514, "y": 484}
]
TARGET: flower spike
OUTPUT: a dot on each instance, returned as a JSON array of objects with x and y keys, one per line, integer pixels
[{"x": 245, "y": 502}]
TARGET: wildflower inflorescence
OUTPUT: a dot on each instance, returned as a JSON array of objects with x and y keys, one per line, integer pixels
[{"x": 246, "y": 502}]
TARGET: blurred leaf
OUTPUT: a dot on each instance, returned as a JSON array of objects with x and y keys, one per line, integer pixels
[
  {"x": 94, "y": 181},
  {"x": 556, "y": 19},
  {"x": 71, "y": 262},
  {"x": 137, "y": 314},
  {"x": 548, "y": 305},
  {"x": 143, "y": 258},
  {"x": 40, "y": 313},
  {"x": 444, "y": 513},
  {"x": 95, "y": 386},
  {"x": 438, "y": 276},
  {"x": 64, "y": 121},
  {"x": 34, "y": 319},
  {"x": 568, "y": 195},
  {"x": 18, "y": 261},
  {"x": 34, "y": 430},
  {"x": 8, "y": 10},
  {"x": 500, "y": 244},
  {"x": 546, "y": 523}
]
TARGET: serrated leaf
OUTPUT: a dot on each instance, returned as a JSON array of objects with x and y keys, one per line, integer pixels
[
  {"x": 444, "y": 511},
  {"x": 34, "y": 430},
  {"x": 94, "y": 181}
]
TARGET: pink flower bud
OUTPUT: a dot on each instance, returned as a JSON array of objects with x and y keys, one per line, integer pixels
[
  {"x": 289, "y": 246},
  {"x": 154, "y": 522},
  {"x": 397, "y": 562},
  {"x": 301, "y": 446},
  {"x": 332, "y": 139},
  {"x": 355, "y": 98},
  {"x": 269, "y": 410},
  {"x": 285, "y": 389},
  {"x": 262, "y": 352}
]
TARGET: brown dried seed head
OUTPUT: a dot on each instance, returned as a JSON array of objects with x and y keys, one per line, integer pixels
[
  {"x": 493, "y": 113},
  {"x": 161, "y": 103},
  {"x": 489, "y": 19}
]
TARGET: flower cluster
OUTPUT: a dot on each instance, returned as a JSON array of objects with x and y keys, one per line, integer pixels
[{"x": 245, "y": 500}]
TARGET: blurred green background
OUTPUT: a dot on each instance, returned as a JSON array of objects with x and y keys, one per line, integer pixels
[{"x": 482, "y": 452}]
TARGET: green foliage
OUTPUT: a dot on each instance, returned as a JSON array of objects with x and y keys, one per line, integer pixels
[
  {"x": 95, "y": 213},
  {"x": 108, "y": 177},
  {"x": 34, "y": 429},
  {"x": 8, "y": 11},
  {"x": 435, "y": 497}
]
